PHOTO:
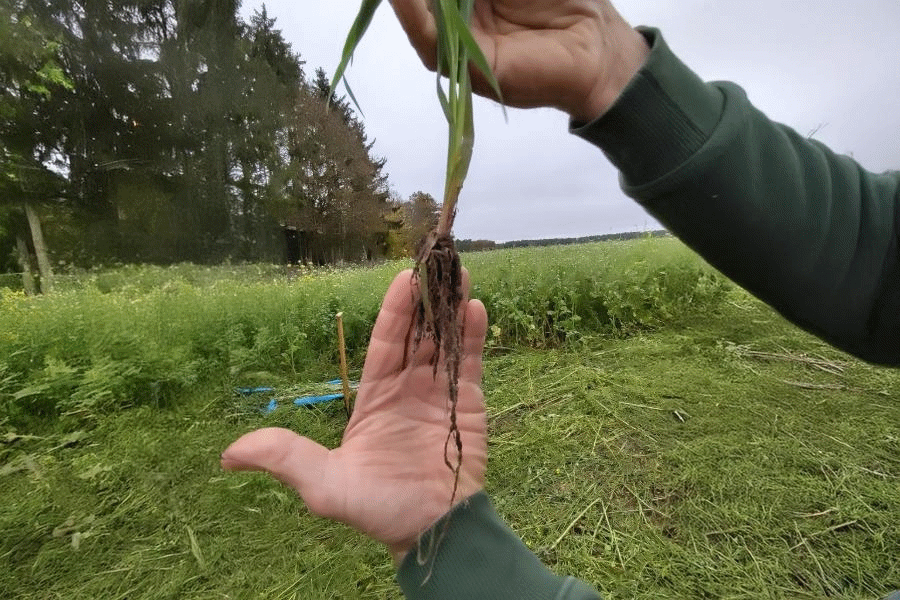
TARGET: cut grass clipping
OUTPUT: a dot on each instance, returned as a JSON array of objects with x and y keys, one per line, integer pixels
[{"x": 437, "y": 268}]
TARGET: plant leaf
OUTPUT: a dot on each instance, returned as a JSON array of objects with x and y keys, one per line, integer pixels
[
  {"x": 442, "y": 98},
  {"x": 465, "y": 9},
  {"x": 362, "y": 22},
  {"x": 195, "y": 549},
  {"x": 352, "y": 97},
  {"x": 447, "y": 60},
  {"x": 474, "y": 50},
  {"x": 461, "y": 157},
  {"x": 443, "y": 39},
  {"x": 33, "y": 390}
]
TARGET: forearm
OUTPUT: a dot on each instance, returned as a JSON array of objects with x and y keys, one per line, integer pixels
[
  {"x": 807, "y": 231},
  {"x": 480, "y": 557}
]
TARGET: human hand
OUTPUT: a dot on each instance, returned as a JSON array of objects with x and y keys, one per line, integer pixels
[
  {"x": 388, "y": 478},
  {"x": 575, "y": 55}
]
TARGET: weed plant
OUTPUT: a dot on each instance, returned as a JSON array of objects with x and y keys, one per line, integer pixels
[{"x": 98, "y": 347}]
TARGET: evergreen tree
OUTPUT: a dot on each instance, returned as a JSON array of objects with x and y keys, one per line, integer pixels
[
  {"x": 272, "y": 80},
  {"x": 113, "y": 120},
  {"x": 186, "y": 134}
]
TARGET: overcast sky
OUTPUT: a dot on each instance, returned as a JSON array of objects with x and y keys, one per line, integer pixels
[{"x": 827, "y": 65}]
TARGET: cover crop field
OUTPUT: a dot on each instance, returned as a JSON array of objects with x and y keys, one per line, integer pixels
[{"x": 653, "y": 430}]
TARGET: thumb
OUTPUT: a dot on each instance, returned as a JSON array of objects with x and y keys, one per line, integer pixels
[{"x": 292, "y": 459}]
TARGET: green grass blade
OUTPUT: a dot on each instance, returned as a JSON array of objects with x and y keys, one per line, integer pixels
[
  {"x": 195, "y": 549},
  {"x": 472, "y": 48},
  {"x": 442, "y": 98},
  {"x": 465, "y": 136},
  {"x": 465, "y": 9},
  {"x": 442, "y": 61},
  {"x": 352, "y": 97},
  {"x": 443, "y": 40},
  {"x": 360, "y": 25},
  {"x": 448, "y": 48}
]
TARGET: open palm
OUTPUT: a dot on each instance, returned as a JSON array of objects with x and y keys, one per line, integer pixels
[{"x": 388, "y": 477}]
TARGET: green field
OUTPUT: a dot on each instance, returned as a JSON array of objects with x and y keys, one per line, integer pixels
[{"x": 654, "y": 431}]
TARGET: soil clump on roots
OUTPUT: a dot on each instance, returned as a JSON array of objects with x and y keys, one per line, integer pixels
[{"x": 438, "y": 272}]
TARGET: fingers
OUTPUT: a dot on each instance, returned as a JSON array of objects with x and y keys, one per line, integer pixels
[
  {"x": 466, "y": 286},
  {"x": 294, "y": 460},
  {"x": 397, "y": 308},
  {"x": 475, "y": 328},
  {"x": 391, "y": 332},
  {"x": 418, "y": 23},
  {"x": 473, "y": 342}
]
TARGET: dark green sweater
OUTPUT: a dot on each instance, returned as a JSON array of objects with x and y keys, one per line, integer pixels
[{"x": 804, "y": 229}]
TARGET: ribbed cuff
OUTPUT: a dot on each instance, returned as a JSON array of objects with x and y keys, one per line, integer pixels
[
  {"x": 664, "y": 116},
  {"x": 478, "y": 557}
]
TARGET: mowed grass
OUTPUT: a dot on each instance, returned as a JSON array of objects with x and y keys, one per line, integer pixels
[
  {"x": 707, "y": 461},
  {"x": 697, "y": 449}
]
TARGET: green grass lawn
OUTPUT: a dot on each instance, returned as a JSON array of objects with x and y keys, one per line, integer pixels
[{"x": 720, "y": 454}]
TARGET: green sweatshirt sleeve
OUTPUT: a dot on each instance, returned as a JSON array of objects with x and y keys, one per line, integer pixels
[
  {"x": 807, "y": 231},
  {"x": 479, "y": 557}
]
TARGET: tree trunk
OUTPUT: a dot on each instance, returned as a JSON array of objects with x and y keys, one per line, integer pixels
[
  {"x": 248, "y": 214},
  {"x": 40, "y": 249},
  {"x": 25, "y": 265}
]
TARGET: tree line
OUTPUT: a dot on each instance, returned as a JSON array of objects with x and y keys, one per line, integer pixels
[
  {"x": 484, "y": 245},
  {"x": 172, "y": 130},
  {"x": 605, "y": 237}
]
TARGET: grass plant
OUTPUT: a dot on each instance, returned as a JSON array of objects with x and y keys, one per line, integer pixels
[{"x": 438, "y": 267}]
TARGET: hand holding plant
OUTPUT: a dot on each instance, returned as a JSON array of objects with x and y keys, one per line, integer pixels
[
  {"x": 574, "y": 55},
  {"x": 548, "y": 53}
]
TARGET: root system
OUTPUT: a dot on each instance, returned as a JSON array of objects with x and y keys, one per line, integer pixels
[{"x": 439, "y": 273}]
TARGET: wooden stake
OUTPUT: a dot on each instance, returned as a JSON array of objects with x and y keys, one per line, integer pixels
[{"x": 343, "y": 354}]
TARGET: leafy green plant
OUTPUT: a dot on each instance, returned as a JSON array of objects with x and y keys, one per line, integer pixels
[
  {"x": 456, "y": 48},
  {"x": 438, "y": 264},
  {"x": 158, "y": 332}
]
